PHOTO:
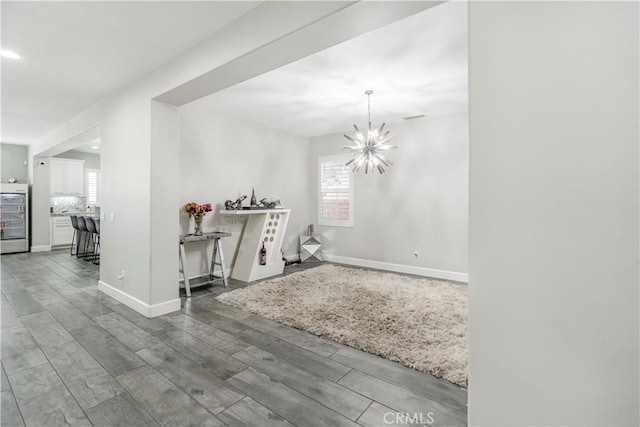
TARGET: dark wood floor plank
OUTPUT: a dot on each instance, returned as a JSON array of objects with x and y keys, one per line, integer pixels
[
  {"x": 19, "y": 350},
  {"x": 122, "y": 411},
  {"x": 423, "y": 384},
  {"x": 286, "y": 402},
  {"x": 248, "y": 412},
  {"x": 299, "y": 356},
  {"x": 217, "y": 362},
  {"x": 164, "y": 401},
  {"x": 126, "y": 332},
  {"x": 44, "y": 400},
  {"x": 322, "y": 390},
  {"x": 69, "y": 316},
  {"x": 401, "y": 399},
  {"x": 210, "y": 391},
  {"x": 114, "y": 356}
]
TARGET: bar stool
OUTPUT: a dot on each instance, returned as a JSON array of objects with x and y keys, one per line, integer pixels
[
  {"x": 84, "y": 234},
  {"x": 75, "y": 240},
  {"x": 96, "y": 243},
  {"x": 93, "y": 232}
]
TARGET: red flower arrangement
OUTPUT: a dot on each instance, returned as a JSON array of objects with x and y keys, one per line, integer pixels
[{"x": 197, "y": 211}]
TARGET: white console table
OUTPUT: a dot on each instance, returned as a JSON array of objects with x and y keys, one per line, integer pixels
[{"x": 268, "y": 225}]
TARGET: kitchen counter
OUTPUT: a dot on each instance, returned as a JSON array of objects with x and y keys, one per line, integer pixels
[{"x": 67, "y": 214}]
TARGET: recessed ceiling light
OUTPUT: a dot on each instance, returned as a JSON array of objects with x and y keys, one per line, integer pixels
[
  {"x": 95, "y": 147},
  {"x": 9, "y": 54}
]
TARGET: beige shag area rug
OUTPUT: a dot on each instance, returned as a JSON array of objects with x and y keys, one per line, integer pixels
[{"x": 421, "y": 323}]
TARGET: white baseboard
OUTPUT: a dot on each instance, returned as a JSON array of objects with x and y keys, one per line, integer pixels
[
  {"x": 398, "y": 268},
  {"x": 43, "y": 248},
  {"x": 137, "y": 305}
]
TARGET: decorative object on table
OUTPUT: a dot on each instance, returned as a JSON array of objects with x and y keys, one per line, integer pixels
[
  {"x": 419, "y": 322},
  {"x": 265, "y": 204},
  {"x": 237, "y": 205},
  {"x": 263, "y": 255},
  {"x": 310, "y": 248},
  {"x": 197, "y": 212},
  {"x": 368, "y": 150},
  {"x": 253, "y": 197},
  {"x": 310, "y": 230}
]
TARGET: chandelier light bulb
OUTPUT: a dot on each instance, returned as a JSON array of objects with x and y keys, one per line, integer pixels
[{"x": 368, "y": 149}]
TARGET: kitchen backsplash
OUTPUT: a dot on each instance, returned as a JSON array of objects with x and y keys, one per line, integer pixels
[{"x": 67, "y": 204}]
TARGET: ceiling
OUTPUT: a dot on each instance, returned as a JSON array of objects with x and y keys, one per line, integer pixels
[
  {"x": 415, "y": 66},
  {"x": 76, "y": 53}
]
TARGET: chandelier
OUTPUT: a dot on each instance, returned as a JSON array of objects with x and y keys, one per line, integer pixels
[{"x": 368, "y": 150}]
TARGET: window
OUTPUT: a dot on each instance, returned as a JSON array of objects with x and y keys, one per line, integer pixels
[
  {"x": 92, "y": 180},
  {"x": 335, "y": 191}
]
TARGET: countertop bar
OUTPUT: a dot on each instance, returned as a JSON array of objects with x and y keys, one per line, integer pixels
[
  {"x": 252, "y": 211},
  {"x": 203, "y": 236}
]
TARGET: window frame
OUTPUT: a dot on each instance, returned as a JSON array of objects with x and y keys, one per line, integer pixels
[
  {"x": 335, "y": 222},
  {"x": 86, "y": 183}
]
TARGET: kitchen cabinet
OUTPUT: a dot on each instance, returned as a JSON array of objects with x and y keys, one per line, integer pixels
[
  {"x": 66, "y": 176},
  {"x": 61, "y": 231}
]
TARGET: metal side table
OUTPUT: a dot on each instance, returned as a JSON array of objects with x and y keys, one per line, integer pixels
[{"x": 217, "y": 253}]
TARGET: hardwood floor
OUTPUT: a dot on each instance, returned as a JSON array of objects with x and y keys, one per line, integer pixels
[{"x": 74, "y": 356}]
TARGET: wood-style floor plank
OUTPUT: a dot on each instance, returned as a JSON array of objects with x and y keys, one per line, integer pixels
[
  {"x": 19, "y": 350},
  {"x": 401, "y": 400},
  {"x": 248, "y": 412},
  {"x": 121, "y": 410},
  {"x": 286, "y": 402},
  {"x": 126, "y": 332},
  {"x": 114, "y": 356},
  {"x": 330, "y": 394},
  {"x": 210, "y": 391},
  {"x": 299, "y": 356},
  {"x": 69, "y": 316},
  {"x": 392, "y": 372},
  {"x": 44, "y": 400},
  {"x": 164, "y": 401}
]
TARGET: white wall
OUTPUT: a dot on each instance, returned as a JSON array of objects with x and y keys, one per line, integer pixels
[
  {"x": 222, "y": 159},
  {"x": 12, "y": 159},
  {"x": 418, "y": 205},
  {"x": 91, "y": 160},
  {"x": 553, "y": 213},
  {"x": 39, "y": 209}
]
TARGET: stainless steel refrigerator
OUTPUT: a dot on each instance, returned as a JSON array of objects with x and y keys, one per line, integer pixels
[{"x": 14, "y": 218}]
